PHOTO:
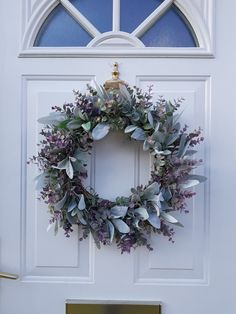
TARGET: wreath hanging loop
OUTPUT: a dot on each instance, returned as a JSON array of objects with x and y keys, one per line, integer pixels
[{"x": 68, "y": 137}]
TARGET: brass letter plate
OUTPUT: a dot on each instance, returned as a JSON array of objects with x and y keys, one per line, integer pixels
[{"x": 112, "y": 309}]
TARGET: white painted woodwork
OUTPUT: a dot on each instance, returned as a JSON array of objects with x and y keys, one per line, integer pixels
[
  {"x": 200, "y": 17},
  {"x": 194, "y": 275}
]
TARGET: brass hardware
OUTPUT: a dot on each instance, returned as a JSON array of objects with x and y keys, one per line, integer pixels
[
  {"x": 9, "y": 276},
  {"x": 113, "y": 309},
  {"x": 115, "y": 82}
]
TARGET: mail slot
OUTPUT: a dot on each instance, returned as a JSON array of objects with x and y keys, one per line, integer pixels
[{"x": 113, "y": 309}]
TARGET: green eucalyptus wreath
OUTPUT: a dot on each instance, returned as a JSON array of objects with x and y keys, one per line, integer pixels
[{"x": 68, "y": 137}]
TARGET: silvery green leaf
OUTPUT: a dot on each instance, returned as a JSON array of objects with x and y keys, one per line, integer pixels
[
  {"x": 167, "y": 195},
  {"x": 56, "y": 227},
  {"x": 96, "y": 239},
  {"x": 157, "y": 199},
  {"x": 73, "y": 125},
  {"x": 130, "y": 128},
  {"x": 121, "y": 226},
  {"x": 125, "y": 93},
  {"x": 169, "y": 218},
  {"x": 154, "y": 220},
  {"x": 135, "y": 116},
  {"x": 100, "y": 91},
  {"x": 41, "y": 180},
  {"x": 73, "y": 159},
  {"x": 78, "y": 112},
  {"x": 62, "y": 164},
  {"x": 81, "y": 204},
  {"x": 72, "y": 219},
  {"x": 157, "y": 208},
  {"x": 197, "y": 177},
  {"x": 53, "y": 118},
  {"x": 50, "y": 225},
  {"x": 72, "y": 205},
  {"x": 189, "y": 184},
  {"x": 111, "y": 230},
  {"x": 151, "y": 190},
  {"x": 69, "y": 170},
  {"x": 100, "y": 131},
  {"x": 150, "y": 118},
  {"x": 118, "y": 211},
  {"x": 74, "y": 212},
  {"x": 81, "y": 218},
  {"x": 163, "y": 152},
  {"x": 138, "y": 135},
  {"x": 79, "y": 167},
  {"x": 86, "y": 126},
  {"x": 142, "y": 213},
  {"x": 146, "y": 145},
  {"x": 190, "y": 152},
  {"x": 136, "y": 223},
  {"x": 172, "y": 138},
  {"x": 81, "y": 156},
  {"x": 61, "y": 203},
  {"x": 183, "y": 145}
]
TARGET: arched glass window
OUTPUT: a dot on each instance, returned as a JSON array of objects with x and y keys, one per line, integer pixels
[{"x": 137, "y": 23}]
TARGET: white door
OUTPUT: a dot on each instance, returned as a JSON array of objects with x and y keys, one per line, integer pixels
[{"x": 194, "y": 275}]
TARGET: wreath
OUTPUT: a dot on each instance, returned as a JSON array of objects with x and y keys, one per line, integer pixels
[{"x": 67, "y": 139}]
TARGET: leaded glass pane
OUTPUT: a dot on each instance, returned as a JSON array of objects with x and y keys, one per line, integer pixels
[
  {"x": 98, "y": 12},
  {"x": 134, "y": 12},
  {"x": 171, "y": 30},
  {"x": 61, "y": 30}
]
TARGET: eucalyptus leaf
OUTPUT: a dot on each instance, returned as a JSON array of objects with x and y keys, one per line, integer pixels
[
  {"x": 138, "y": 134},
  {"x": 166, "y": 193},
  {"x": 86, "y": 126},
  {"x": 74, "y": 212},
  {"x": 150, "y": 118},
  {"x": 190, "y": 152},
  {"x": 135, "y": 223},
  {"x": 151, "y": 190},
  {"x": 81, "y": 218},
  {"x": 121, "y": 226},
  {"x": 73, "y": 125},
  {"x": 172, "y": 138},
  {"x": 142, "y": 213},
  {"x": 81, "y": 156},
  {"x": 125, "y": 93},
  {"x": 197, "y": 177},
  {"x": 96, "y": 239},
  {"x": 130, "y": 128},
  {"x": 56, "y": 227},
  {"x": 154, "y": 220},
  {"x": 71, "y": 205},
  {"x": 146, "y": 145},
  {"x": 169, "y": 218},
  {"x": 50, "y": 225},
  {"x": 111, "y": 230},
  {"x": 189, "y": 184},
  {"x": 81, "y": 204},
  {"x": 183, "y": 145},
  {"x": 78, "y": 112},
  {"x": 118, "y": 211},
  {"x": 100, "y": 131},
  {"x": 100, "y": 91},
  {"x": 61, "y": 203},
  {"x": 69, "y": 170},
  {"x": 41, "y": 180},
  {"x": 62, "y": 164},
  {"x": 72, "y": 219},
  {"x": 53, "y": 118}
]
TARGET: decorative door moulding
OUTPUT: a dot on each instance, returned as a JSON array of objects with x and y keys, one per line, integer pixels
[{"x": 115, "y": 43}]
